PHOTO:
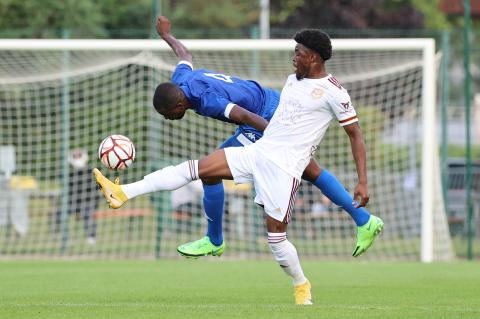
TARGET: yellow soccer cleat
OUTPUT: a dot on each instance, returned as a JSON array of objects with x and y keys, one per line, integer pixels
[
  {"x": 111, "y": 190},
  {"x": 303, "y": 295}
]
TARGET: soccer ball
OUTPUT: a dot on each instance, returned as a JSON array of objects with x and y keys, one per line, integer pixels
[{"x": 116, "y": 152}]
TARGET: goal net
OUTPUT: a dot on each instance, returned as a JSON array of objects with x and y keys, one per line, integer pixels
[{"x": 60, "y": 98}]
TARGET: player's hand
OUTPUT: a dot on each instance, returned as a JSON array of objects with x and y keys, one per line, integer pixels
[
  {"x": 163, "y": 26},
  {"x": 360, "y": 196}
]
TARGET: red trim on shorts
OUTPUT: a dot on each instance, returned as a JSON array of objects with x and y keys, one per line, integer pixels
[
  {"x": 291, "y": 203},
  {"x": 193, "y": 171}
]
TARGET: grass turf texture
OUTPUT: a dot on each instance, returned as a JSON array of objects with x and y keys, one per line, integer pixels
[{"x": 215, "y": 288}]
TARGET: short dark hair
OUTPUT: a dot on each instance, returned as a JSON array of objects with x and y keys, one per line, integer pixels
[
  {"x": 166, "y": 96},
  {"x": 315, "y": 40}
]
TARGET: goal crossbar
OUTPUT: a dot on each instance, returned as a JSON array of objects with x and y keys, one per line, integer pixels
[{"x": 207, "y": 45}]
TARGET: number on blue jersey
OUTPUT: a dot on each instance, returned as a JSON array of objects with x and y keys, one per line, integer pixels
[{"x": 219, "y": 76}]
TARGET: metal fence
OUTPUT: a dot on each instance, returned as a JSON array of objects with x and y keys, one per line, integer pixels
[{"x": 457, "y": 208}]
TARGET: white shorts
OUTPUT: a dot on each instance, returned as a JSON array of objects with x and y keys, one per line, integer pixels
[{"x": 276, "y": 189}]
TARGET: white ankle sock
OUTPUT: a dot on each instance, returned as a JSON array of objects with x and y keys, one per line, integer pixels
[
  {"x": 286, "y": 256},
  {"x": 168, "y": 178}
]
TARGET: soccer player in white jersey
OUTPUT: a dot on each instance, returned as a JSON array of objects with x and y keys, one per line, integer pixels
[{"x": 310, "y": 99}]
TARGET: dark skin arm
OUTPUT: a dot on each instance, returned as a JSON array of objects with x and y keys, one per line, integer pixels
[
  {"x": 357, "y": 143},
  {"x": 239, "y": 115},
  {"x": 163, "y": 29}
]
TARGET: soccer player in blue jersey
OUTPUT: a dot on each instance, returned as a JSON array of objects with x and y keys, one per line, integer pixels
[{"x": 251, "y": 106}]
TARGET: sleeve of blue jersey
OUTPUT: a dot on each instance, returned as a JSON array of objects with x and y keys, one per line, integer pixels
[
  {"x": 181, "y": 73},
  {"x": 213, "y": 105}
]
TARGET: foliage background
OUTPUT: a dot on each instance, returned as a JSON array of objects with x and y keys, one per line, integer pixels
[{"x": 132, "y": 18}]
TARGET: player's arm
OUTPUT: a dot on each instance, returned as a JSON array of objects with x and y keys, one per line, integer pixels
[
  {"x": 241, "y": 116},
  {"x": 163, "y": 29},
  {"x": 357, "y": 143}
]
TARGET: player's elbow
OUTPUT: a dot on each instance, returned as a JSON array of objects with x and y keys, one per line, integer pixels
[
  {"x": 237, "y": 115},
  {"x": 246, "y": 118},
  {"x": 189, "y": 56},
  {"x": 186, "y": 56},
  {"x": 354, "y": 131}
]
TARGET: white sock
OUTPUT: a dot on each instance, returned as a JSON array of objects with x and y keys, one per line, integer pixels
[
  {"x": 168, "y": 178},
  {"x": 286, "y": 256}
]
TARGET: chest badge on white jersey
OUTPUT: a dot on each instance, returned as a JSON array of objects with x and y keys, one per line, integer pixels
[{"x": 317, "y": 93}]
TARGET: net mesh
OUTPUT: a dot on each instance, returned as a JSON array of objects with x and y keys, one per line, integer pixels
[{"x": 52, "y": 102}]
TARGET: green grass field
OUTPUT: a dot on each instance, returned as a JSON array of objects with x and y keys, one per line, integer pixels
[{"x": 217, "y": 288}]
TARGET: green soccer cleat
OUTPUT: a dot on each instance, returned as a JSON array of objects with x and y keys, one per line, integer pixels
[
  {"x": 366, "y": 234},
  {"x": 201, "y": 247}
]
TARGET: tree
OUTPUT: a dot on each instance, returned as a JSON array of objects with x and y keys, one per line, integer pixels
[
  {"x": 359, "y": 14},
  {"x": 214, "y": 14},
  {"x": 41, "y": 17},
  {"x": 127, "y": 18}
]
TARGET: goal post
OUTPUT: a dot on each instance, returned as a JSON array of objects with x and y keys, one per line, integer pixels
[
  {"x": 108, "y": 85},
  {"x": 429, "y": 150}
]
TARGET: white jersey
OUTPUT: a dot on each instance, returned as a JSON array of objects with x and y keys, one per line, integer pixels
[{"x": 305, "y": 110}]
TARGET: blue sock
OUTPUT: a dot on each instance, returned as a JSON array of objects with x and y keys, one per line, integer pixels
[
  {"x": 213, "y": 200},
  {"x": 336, "y": 192}
]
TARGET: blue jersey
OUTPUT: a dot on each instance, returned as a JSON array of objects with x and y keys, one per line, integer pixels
[{"x": 210, "y": 93}]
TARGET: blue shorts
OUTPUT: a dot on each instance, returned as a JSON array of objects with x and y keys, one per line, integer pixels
[{"x": 245, "y": 134}]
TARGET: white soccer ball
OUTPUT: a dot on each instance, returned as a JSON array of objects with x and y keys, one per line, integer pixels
[{"x": 116, "y": 152}]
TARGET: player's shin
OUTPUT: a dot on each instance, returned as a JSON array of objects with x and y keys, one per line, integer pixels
[
  {"x": 213, "y": 203},
  {"x": 336, "y": 192},
  {"x": 286, "y": 256},
  {"x": 168, "y": 178}
]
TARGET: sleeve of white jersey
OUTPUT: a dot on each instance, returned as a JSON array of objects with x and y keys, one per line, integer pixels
[{"x": 341, "y": 105}]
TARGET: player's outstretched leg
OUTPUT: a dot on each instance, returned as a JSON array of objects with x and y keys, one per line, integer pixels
[
  {"x": 112, "y": 191},
  {"x": 167, "y": 178},
  {"x": 201, "y": 247},
  {"x": 366, "y": 234}
]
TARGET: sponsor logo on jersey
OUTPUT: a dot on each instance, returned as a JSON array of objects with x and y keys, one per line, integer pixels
[
  {"x": 251, "y": 136},
  {"x": 346, "y": 105}
]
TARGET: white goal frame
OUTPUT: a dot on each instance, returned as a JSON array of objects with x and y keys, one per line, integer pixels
[{"x": 426, "y": 45}]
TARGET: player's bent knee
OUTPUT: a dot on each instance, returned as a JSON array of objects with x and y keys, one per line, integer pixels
[
  {"x": 275, "y": 226},
  {"x": 214, "y": 166},
  {"x": 312, "y": 171},
  {"x": 211, "y": 181}
]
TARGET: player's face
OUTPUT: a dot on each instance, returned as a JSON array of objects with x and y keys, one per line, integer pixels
[
  {"x": 175, "y": 113},
  {"x": 301, "y": 61}
]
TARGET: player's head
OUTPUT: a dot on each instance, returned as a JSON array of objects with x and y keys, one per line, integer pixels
[
  {"x": 170, "y": 101},
  {"x": 313, "y": 49},
  {"x": 78, "y": 158}
]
